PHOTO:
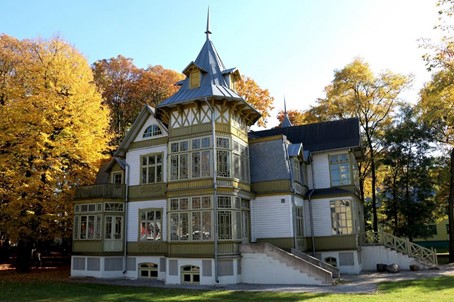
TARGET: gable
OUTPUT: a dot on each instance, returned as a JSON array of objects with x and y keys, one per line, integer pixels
[{"x": 144, "y": 120}]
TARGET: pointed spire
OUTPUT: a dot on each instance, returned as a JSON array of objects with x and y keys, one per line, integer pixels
[
  {"x": 208, "y": 32},
  {"x": 286, "y": 122}
]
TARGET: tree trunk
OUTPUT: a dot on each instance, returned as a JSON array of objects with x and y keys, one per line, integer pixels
[{"x": 451, "y": 209}]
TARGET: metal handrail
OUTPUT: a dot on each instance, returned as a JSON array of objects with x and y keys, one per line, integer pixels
[{"x": 403, "y": 245}]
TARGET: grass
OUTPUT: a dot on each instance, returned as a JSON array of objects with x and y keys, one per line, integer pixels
[{"x": 54, "y": 285}]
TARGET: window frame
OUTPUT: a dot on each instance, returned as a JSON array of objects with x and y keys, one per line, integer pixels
[
  {"x": 155, "y": 166},
  {"x": 342, "y": 222},
  {"x": 161, "y": 220},
  {"x": 152, "y": 131},
  {"x": 338, "y": 166}
]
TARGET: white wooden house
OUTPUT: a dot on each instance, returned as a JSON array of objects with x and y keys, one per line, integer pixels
[{"x": 192, "y": 197}]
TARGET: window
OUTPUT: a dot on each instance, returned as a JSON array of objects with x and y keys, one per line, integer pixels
[
  {"x": 152, "y": 168},
  {"x": 151, "y": 131},
  {"x": 223, "y": 157},
  {"x": 296, "y": 170},
  {"x": 341, "y": 217},
  {"x": 190, "y": 218},
  {"x": 113, "y": 207},
  {"x": 87, "y": 223},
  {"x": 113, "y": 229},
  {"x": 190, "y": 159},
  {"x": 190, "y": 274},
  {"x": 240, "y": 161},
  {"x": 117, "y": 177},
  {"x": 194, "y": 78},
  {"x": 150, "y": 224},
  {"x": 148, "y": 270},
  {"x": 340, "y": 170},
  {"x": 299, "y": 221},
  {"x": 331, "y": 261}
]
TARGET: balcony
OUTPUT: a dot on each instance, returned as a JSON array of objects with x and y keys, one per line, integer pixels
[{"x": 113, "y": 191}]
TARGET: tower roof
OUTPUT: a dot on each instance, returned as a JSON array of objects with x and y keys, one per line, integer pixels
[{"x": 214, "y": 81}]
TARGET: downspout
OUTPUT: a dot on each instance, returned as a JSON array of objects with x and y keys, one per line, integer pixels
[
  {"x": 215, "y": 189},
  {"x": 292, "y": 190},
  {"x": 125, "y": 247},
  {"x": 311, "y": 216}
]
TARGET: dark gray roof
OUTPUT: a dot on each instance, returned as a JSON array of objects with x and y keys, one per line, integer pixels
[
  {"x": 286, "y": 122},
  {"x": 268, "y": 161},
  {"x": 213, "y": 82},
  {"x": 320, "y": 136},
  {"x": 328, "y": 191}
]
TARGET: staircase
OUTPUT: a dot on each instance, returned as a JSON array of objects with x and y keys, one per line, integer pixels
[
  {"x": 267, "y": 264},
  {"x": 426, "y": 257},
  {"x": 334, "y": 270}
]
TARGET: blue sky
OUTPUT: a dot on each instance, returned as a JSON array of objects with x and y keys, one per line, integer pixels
[{"x": 290, "y": 47}]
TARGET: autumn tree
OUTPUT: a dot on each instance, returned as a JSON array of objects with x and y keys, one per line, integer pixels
[
  {"x": 259, "y": 98},
  {"x": 53, "y": 134},
  {"x": 126, "y": 88},
  {"x": 296, "y": 117},
  {"x": 357, "y": 92},
  {"x": 437, "y": 97}
]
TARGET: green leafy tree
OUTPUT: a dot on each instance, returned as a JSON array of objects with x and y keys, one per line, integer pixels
[
  {"x": 437, "y": 97},
  {"x": 357, "y": 92},
  {"x": 408, "y": 186},
  {"x": 53, "y": 134}
]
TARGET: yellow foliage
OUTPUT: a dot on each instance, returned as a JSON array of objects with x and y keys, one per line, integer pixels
[{"x": 52, "y": 136}]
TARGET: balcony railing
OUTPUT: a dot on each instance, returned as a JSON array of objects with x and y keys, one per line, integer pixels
[
  {"x": 403, "y": 245},
  {"x": 101, "y": 191}
]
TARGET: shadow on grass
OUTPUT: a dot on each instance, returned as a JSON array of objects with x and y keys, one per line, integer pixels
[
  {"x": 78, "y": 292},
  {"x": 423, "y": 285}
]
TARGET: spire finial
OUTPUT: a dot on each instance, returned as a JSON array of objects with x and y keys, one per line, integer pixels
[
  {"x": 285, "y": 107},
  {"x": 208, "y": 32}
]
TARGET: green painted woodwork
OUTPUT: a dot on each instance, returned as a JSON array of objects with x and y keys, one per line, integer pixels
[
  {"x": 332, "y": 243},
  {"x": 107, "y": 191},
  {"x": 283, "y": 243},
  {"x": 147, "y": 248},
  {"x": 148, "y": 143},
  {"x": 274, "y": 186},
  {"x": 202, "y": 249},
  {"x": 87, "y": 246},
  {"x": 147, "y": 191}
]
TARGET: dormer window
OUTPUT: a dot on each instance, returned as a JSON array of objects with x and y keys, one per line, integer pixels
[
  {"x": 194, "y": 79},
  {"x": 151, "y": 131}
]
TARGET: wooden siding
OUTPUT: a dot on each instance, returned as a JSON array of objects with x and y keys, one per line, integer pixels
[
  {"x": 150, "y": 121},
  {"x": 148, "y": 143},
  {"x": 321, "y": 215},
  {"x": 333, "y": 243},
  {"x": 133, "y": 158},
  {"x": 321, "y": 171},
  {"x": 133, "y": 217},
  {"x": 273, "y": 186},
  {"x": 283, "y": 243},
  {"x": 202, "y": 249},
  {"x": 270, "y": 218},
  {"x": 147, "y": 248},
  {"x": 108, "y": 191},
  {"x": 87, "y": 246},
  {"x": 147, "y": 191}
]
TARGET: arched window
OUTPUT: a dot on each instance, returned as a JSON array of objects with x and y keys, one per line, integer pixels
[
  {"x": 331, "y": 261},
  {"x": 148, "y": 270},
  {"x": 190, "y": 274},
  {"x": 152, "y": 130}
]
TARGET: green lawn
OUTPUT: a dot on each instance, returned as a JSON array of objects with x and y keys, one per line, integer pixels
[{"x": 434, "y": 289}]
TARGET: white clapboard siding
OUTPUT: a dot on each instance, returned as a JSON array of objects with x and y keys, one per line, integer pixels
[
  {"x": 133, "y": 217},
  {"x": 271, "y": 218},
  {"x": 150, "y": 121},
  {"x": 321, "y": 215},
  {"x": 133, "y": 160},
  {"x": 321, "y": 171}
]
